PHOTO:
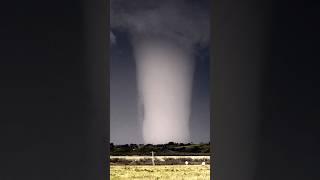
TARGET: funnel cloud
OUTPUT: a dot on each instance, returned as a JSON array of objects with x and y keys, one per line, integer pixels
[{"x": 164, "y": 36}]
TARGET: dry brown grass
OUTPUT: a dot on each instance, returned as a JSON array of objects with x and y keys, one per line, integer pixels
[{"x": 160, "y": 172}]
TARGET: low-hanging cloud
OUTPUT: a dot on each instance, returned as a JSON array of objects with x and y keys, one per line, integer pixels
[
  {"x": 164, "y": 35},
  {"x": 112, "y": 38}
]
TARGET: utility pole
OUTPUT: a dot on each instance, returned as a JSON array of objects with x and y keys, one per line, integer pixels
[{"x": 152, "y": 157}]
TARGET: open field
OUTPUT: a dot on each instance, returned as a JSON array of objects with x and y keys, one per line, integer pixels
[
  {"x": 160, "y": 157},
  {"x": 159, "y": 160},
  {"x": 160, "y": 172}
]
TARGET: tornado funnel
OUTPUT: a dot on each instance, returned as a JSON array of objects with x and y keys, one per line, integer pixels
[{"x": 165, "y": 85}]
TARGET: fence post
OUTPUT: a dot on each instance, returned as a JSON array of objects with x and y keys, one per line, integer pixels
[{"x": 152, "y": 157}]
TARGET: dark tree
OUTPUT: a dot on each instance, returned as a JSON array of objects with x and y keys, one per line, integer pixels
[{"x": 171, "y": 143}]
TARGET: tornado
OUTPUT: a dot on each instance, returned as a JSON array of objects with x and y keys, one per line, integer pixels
[
  {"x": 164, "y": 75},
  {"x": 164, "y": 37}
]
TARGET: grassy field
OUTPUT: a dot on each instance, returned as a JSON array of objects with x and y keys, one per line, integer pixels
[
  {"x": 161, "y": 172},
  {"x": 159, "y": 160}
]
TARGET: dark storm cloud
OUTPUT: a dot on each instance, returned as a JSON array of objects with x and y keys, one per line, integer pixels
[{"x": 183, "y": 22}]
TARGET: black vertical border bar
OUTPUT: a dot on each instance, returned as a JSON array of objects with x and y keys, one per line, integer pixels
[
  {"x": 108, "y": 90},
  {"x": 97, "y": 58},
  {"x": 238, "y": 53}
]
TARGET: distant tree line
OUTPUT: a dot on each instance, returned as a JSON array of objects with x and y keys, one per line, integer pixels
[{"x": 169, "y": 149}]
